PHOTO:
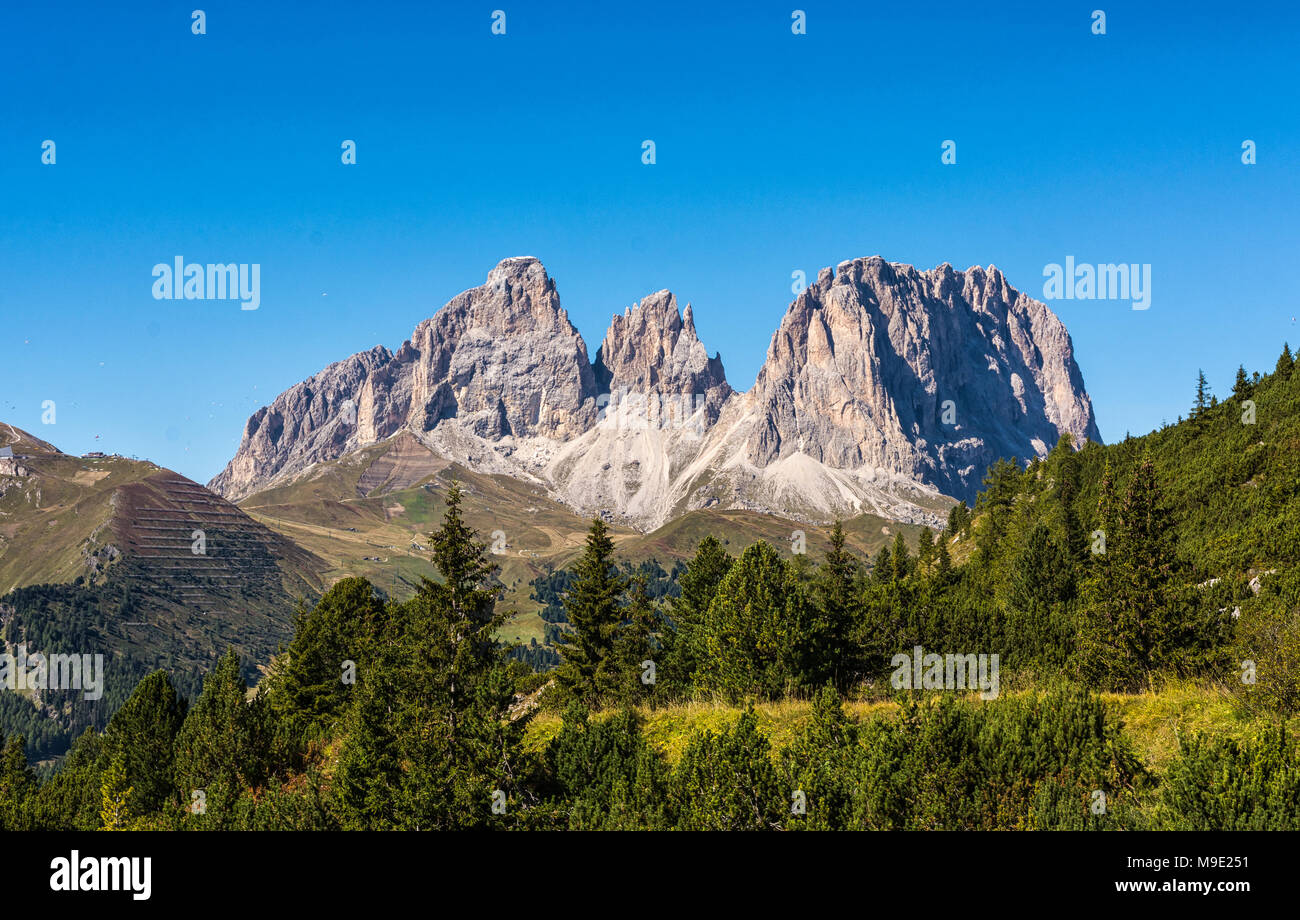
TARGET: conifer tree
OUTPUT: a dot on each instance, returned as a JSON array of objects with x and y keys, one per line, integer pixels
[
  {"x": 836, "y": 599},
  {"x": 308, "y": 691},
  {"x": 141, "y": 738},
  {"x": 1202, "y": 401},
  {"x": 899, "y": 558},
  {"x": 1134, "y": 619},
  {"x": 727, "y": 781},
  {"x": 223, "y": 746},
  {"x": 1065, "y": 464},
  {"x": 685, "y": 643},
  {"x": 943, "y": 561},
  {"x": 1100, "y": 653},
  {"x": 449, "y": 690},
  {"x": 594, "y": 609},
  {"x": 1284, "y": 362},
  {"x": 882, "y": 567},
  {"x": 1241, "y": 386},
  {"x": 635, "y": 644},
  {"x": 756, "y": 630},
  {"x": 17, "y": 783},
  {"x": 1040, "y": 585},
  {"x": 925, "y": 551},
  {"x": 116, "y": 798}
]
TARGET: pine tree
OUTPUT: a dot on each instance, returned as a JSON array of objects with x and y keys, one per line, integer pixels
[
  {"x": 685, "y": 644},
  {"x": 899, "y": 558},
  {"x": 594, "y": 608},
  {"x": 1202, "y": 401},
  {"x": 958, "y": 518},
  {"x": 1065, "y": 465},
  {"x": 836, "y": 599},
  {"x": 1148, "y": 569},
  {"x": 369, "y": 775},
  {"x": 223, "y": 746},
  {"x": 925, "y": 551},
  {"x": 451, "y": 713},
  {"x": 458, "y": 612},
  {"x": 1100, "y": 655},
  {"x": 634, "y": 644},
  {"x": 943, "y": 563},
  {"x": 116, "y": 798},
  {"x": 1134, "y": 619},
  {"x": 882, "y": 567},
  {"x": 308, "y": 691},
  {"x": 727, "y": 781},
  {"x": 1284, "y": 362},
  {"x": 140, "y": 740},
  {"x": 1040, "y": 585},
  {"x": 17, "y": 784},
  {"x": 757, "y": 629}
]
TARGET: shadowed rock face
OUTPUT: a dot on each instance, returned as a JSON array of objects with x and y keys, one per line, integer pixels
[
  {"x": 878, "y": 374},
  {"x": 932, "y": 374},
  {"x": 653, "y": 349},
  {"x": 502, "y": 360}
]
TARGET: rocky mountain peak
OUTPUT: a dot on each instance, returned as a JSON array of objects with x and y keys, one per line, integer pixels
[
  {"x": 652, "y": 349},
  {"x": 883, "y": 387},
  {"x": 935, "y": 374}
]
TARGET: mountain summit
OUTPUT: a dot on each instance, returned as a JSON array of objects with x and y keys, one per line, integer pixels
[{"x": 885, "y": 389}]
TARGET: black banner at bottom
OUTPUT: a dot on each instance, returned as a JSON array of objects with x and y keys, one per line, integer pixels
[{"x": 140, "y": 870}]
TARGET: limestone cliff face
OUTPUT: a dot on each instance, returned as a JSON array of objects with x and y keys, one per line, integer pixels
[
  {"x": 884, "y": 388},
  {"x": 932, "y": 374},
  {"x": 502, "y": 360},
  {"x": 652, "y": 349}
]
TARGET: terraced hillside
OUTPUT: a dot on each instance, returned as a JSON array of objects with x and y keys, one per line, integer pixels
[{"x": 119, "y": 557}]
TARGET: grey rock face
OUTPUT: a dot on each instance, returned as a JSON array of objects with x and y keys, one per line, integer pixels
[
  {"x": 883, "y": 387},
  {"x": 931, "y": 374},
  {"x": 503, "y": 360},
  {"x": 652, "y": 349}
]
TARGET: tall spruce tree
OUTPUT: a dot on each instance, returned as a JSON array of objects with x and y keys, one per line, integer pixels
[
  {"x": 634, "y": 645},
  {"x": 141, "y": 739},
  {"x": 1133, "y": 620},
  {"x": 925, "y": 551},
  {"x": 943, "y": 561},
  {"x": 882, "y": 567},
  {"x": 837, "y": 603},
  {"x": 1241, "y": 385},
  {"x": 1202, "y": 401},
  {"x": 223, "y": 747},
  {"x": 17, "y": 784},
  {"x": 685, "y": 643},
  {"x": 308, "y": 691},
  {"x": 429, "y": 739},
  {"x": 594, "y": 609},
  {"x": 899, "y": 558}
]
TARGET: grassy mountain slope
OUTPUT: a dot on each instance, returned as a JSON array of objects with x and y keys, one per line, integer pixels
[
  {"x": 368, "y": 514},
  {"x": 119, "y": 557}
]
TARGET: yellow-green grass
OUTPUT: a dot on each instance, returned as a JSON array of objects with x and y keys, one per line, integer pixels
[{"x": 1152, "y": 721}]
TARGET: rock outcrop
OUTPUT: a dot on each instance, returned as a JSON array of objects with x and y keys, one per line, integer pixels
[
  {"x": 934, "y": 375},
  {"x": 501, "y": 361},
  {"x": 885, "y": 388}
]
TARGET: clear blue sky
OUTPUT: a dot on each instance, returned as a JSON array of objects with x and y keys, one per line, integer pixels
[{"x": 775, "y": 152}]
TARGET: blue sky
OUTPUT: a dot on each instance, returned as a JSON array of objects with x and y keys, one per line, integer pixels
[{"x": 775, "y": 152}]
